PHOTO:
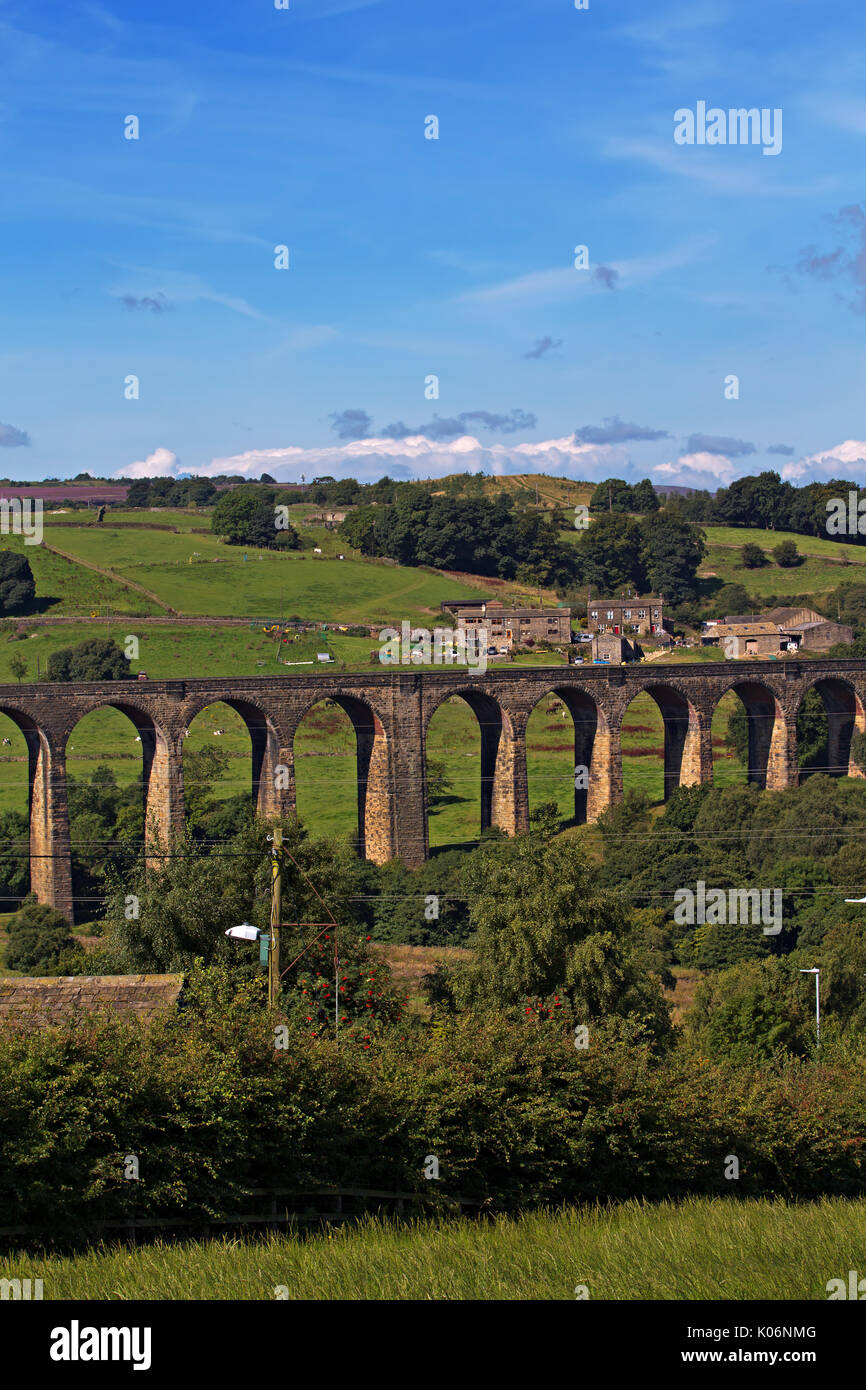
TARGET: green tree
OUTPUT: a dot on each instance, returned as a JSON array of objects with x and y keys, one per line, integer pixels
[
  {"x": 787, "y": 555},
  {"x": 17, "y": 585},
  {"x": 186, "y": 906},
  {"x": 609, "y": 554},
  {"x": 545, "y": 928},
  {"x": 37, "y": 935},
  {"x": 728, "y": 600},
  {"x": 96, "y": 659},
  {"x": 752, "y": 556},
  {"x": 246, "y": 516},
  {"x": 671, "y": 550},
  {"x": 18, "y": 667},
  {"x": 644, "y": 497},
  {"x": 613, "y": 495}
]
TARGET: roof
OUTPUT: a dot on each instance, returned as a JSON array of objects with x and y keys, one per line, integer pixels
[
  {"x": 756, "y": 629},
  {"x": 51, "y": 999},
  {"x": 788, "y": 615},
  {"x": 801, "y": 627},
  {"x": 635, "y": 598}
]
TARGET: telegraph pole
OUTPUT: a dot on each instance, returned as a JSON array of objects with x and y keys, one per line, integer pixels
[{"x": 276, "y": 910}]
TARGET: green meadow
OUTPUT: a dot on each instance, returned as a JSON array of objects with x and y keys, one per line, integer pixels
[
  {"x": 200, "y": 575},
  {"x": 696, "y": 1249},
  {"x": 827, "y": 564}
]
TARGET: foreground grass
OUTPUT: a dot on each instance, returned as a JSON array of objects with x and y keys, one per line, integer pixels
[{"x": 697, "y": 1249}]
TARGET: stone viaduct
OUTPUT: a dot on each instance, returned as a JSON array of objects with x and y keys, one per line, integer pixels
[{"x": 391, "y": 711}]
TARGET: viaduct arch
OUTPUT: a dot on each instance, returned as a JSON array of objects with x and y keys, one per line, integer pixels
[{"x": 391, "y": 711}]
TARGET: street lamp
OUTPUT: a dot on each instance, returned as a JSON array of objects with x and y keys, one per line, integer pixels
[
  {"x": 245, "y": 932},
  {"x": 817, "y": 973},
  {"x": 269, "y": 948}
]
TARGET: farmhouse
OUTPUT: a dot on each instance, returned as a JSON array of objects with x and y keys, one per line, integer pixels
[
  {"x": 779, "y": 630},
  {"x": 642, "y": 613},
  {"x": 511, "y": 627}
]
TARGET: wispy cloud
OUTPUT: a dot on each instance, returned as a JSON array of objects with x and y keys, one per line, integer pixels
[
  {"x": 616, "y": 431},
  {"x": 13, "y": 438},
  {"x": 542, "y": 346},
  {"x": 563, "y": 281}
]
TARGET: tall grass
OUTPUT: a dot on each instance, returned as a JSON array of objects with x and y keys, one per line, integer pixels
[{"x": 718, "y": 1248}]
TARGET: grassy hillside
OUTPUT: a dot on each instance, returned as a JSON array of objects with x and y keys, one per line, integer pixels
[{"x": 828, "y": 563}]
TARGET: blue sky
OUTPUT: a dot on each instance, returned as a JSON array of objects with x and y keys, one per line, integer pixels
[{"x": 412, "y": 257}]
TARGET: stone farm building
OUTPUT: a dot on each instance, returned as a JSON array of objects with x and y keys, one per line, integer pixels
[
  {"x": 510, "y": 627},
  {"x": 781, "y": 630},
  {"x": 643, "y": 614}
]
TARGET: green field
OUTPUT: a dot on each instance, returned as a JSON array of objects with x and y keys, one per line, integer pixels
[
  {"x": 201, "y": 575},
  {"x": 701, "y": 1248}
]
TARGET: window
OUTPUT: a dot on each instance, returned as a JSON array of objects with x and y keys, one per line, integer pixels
[
  {"x": 626, "y": 612},
  {"x": 594, "y": 613},
  {"x": 641, "y": 612},
  {"x": 655, "y": 612},
  {"x": 610, "y": 612}
]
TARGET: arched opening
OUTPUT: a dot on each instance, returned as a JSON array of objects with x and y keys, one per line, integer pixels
[
  {"x": 756, "y": 732},
  {"x": 115, "y": 793},
  {"x": 829, "y": 720},
  {"x": 660, "y": 743},
  {"x": 463, "y": 733},
  {"x": 356, "y": 801},
  {"x": 19, "y": 751},
  {"x": 564, "y": 732},
  {"x": 730, "y": 740},
  {"x": 327, "y": 797},
  {"x": 230, "y": 757}
]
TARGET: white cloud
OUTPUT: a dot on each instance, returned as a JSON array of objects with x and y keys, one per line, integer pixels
[
  {"x": 420, "y": 457},
  {"x": 160, "y": 463},
  {"x": 702, "y": 470},
  {"x": 844, "y": 460}
]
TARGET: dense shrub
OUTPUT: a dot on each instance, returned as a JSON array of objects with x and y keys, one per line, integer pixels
[{"x": 516, "y": 1115}]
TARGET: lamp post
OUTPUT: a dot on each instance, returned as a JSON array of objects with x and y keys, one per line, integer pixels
[
  {"x": 270, "y": 943},
  {"x": 817, "y": 973},
  {"x": 269, "y": 952}
]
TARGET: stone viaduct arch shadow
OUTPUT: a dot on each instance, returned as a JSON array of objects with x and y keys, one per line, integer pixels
[
  {"x": 159, "y": 787},
  {"x": 498, "y": 752},
  {"x": 264, "y": 749},
  {"x": 845, "y": 716},
  {"x": 591, "y": 750},
  {"x": 682, "y": 737},
  {"x": 769, "y": 736},
  {"x": 376, "y": 833},
  {"x": 49, "y": 880}
]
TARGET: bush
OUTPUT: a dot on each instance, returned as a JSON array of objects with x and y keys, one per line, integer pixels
[
  {"x": 787, "y": 555},
  {"x": 97, "y": 659},
  {"x": 17, "y": 585},
  {"x": 517, "y": 1116},
  {"x": 752, "y": 557},
  {"x": 37, "y": 935}
]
